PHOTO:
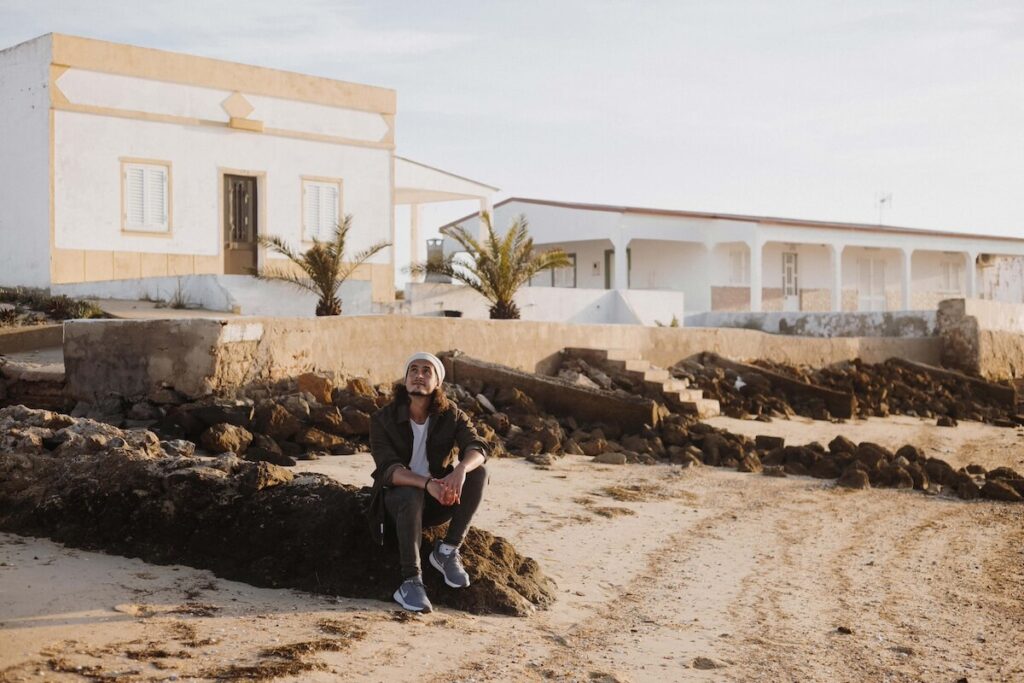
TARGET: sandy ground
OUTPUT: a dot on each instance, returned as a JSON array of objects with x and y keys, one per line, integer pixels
[{"x": 705, "y": 574}]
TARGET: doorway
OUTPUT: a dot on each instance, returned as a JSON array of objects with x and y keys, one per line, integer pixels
[
  {"x": 790, "y": 282},
  {"x": 240, "y": 224},
  {"x": 871, "y": 284}
]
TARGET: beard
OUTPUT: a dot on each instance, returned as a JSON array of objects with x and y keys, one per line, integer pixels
[{"x": 418, "y": 391}]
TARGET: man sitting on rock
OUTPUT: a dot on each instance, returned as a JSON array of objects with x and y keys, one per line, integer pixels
[{"x": 418, "y": 481}]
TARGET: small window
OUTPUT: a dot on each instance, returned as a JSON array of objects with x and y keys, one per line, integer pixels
[
  {"x": 739, "y": 267},
  {"x": 565, "y": 277},
  {"x": 321, "y": 209},
  {"x": 146, "y": 197},
  {"x": 952, "y": 276}
]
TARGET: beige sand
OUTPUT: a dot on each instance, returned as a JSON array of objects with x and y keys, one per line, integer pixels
[{"x": 749, "y": 574}]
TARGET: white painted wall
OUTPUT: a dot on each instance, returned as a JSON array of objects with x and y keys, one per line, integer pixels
[
  {"x": 1003, "y": 280},
  {"x": 25, "y": 164},
  {"x": 587, "y": 254},
  {"x": 87, "y": 154},
  {"x": 673, "y": 266},
  {"x": 813, "y": 265}
]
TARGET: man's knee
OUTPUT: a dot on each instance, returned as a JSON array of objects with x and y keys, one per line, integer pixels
[{"x": 477, "y": 476}]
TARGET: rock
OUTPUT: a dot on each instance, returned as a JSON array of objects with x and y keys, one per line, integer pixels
[
  {"x": 894, "y": 476},
  {"x": 221, "y": 438},
  {"x": 796, "y": 469},
  {"x": 996, "y": 489},
  {"x": 144, "y": 411},
  {"x": 570, "y": 447},
  {"x": 329, "y": 419},
  {"x": 610, "y": 458},
  {"x": 542, "y": 459},
  {"x": 317, "y": 439},
  {"x": 911, "y": 453},
  {"x": 514, "y": 399},
  {"x": 749, "y": 463},
  {"x": 675, "y": 434},
  {"x": 965, "y": 487},
  {"x": 854, "y": 478},
  {"x": 941, "y": 472},
  {"x": 296, "y": 405},
  {"x": 319, "y": 387},
  {"x": 360, "y": 386},
  {"x": 236, "y": 413},
  {"x": 918, "y": 475},
  {"x": 976, "y": 469},
  {"x": 594, "y": 446},
  {"x": 178, "y": 448},
  {"x": 767, "y": 443},
  {"x": 486, "y": 404},
  {"x": 357, "y": 422},
  {"x": 707, "y": 663},
  {"x": 499, "y": 422},
  {"x": 1003, "y": 473},
  {"x": 276, "y": 421},
  {"x": 636, "y": 443},
  {"x": 825, "y": 468},
  {"x": 841, "y": 444},
  {"x": 245, "y": 521},
  {"x": 844, "y": 630},
  {"x": 774, "y": 471},
  {"x": 946, "y": 421},
  {"x": 711, "y": 449},
  {"x": 685, "y": 458},
  {"x": 872, "y": 456}
]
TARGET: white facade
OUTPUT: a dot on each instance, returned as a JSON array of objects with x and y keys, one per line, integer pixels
[
  {"x": 24, "y": 166},
  {"x": 747, "y": 263}
]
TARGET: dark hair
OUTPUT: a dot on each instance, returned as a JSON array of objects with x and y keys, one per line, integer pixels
[{"x": 439, "y": 401}]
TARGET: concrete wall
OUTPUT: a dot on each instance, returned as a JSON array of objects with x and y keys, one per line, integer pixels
[
  {"x": 25, "y": 164},
  {"x": 198, "y": 356},
  {"x": 983, "y": 337},
  {"x": 553, "y": 304},
  {"x": 888, "y": 324},
  {"x": 241, "y": 294}
]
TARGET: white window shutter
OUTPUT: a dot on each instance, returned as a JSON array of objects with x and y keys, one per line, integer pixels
[
  {"x": 328, "y": 211},
  {"x": 156, "y": 198},
  {"x": 135, "y": 198},
  {"x": 312, "y": 210}
]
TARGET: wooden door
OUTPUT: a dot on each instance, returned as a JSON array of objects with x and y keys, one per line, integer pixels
[{"x": 240, "y": 224}]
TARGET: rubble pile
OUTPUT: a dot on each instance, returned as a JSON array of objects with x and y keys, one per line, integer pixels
[
  {"x": 91, "y": 485},
  {"x": 881, "y": 389}
]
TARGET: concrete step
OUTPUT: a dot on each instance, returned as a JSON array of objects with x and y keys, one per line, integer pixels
[
  {"x": 673, "y": 384},
  {"x": 702, "y": 408},
  {"x": 636, "y": 365},
  {"x": 656, "y": 375},
  {"x": 687, "y": 395}
]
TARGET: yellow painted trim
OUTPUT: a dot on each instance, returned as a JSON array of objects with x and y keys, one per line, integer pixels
[
  {"x": 174, "y": 67},
  {"x": 261, "y": 212},
  {"x": 56, "y": 94},
  {"x": 191, "y": 121},
  {"x": 389, "y": 136},
  {"x": 246, "y": 124},
  {"x": 169, "y": 232},
  {"x": 303, "y": 179}
]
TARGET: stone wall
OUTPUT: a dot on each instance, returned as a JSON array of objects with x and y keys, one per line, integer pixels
[
  {"x": 810, "y": 324},
  {"x": 201, "y": 356},
  {"x": 983, "y": 337}
]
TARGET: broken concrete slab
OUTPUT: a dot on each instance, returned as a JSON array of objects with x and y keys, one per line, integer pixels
[
  {"x": 999, "y": 393},
  {"x": 558, "y": 396},
  {"x": 840, "y": 404}
]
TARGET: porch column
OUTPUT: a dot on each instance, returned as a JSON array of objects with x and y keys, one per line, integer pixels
[
  {"x": 971, "y": 276},
  {"x": 907, "y": 255},
  {"x": 755, "y": 275},
  {"x": 837, "y": 277},
  {"x": 621, "y": 271},
  {"x": 415, "y": 248}
]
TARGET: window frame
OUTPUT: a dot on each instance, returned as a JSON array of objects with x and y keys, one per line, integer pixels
[
  {"x": 127, "y": 163},
  {"x": 304, "y": 182}
]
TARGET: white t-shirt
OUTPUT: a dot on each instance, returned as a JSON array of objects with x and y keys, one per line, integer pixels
[{"x": 419, "y": 463}]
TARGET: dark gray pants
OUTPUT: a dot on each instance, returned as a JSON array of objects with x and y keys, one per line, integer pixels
[{"x": 411, "y": 509}]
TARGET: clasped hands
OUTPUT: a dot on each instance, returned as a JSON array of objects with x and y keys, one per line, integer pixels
[{"x": 448, "y": 491}]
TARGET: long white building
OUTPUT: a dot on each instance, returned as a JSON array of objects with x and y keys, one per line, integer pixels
[{"x": 723, "y": 262}]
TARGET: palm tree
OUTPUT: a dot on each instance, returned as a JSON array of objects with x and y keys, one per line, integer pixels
[
  {"x": 498, "y": 266},
  {"x": 322, "y": 267}
]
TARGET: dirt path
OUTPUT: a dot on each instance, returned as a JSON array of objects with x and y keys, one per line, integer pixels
[{"x": 661, "y": 572}]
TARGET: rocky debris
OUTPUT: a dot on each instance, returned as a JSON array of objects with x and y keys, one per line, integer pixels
[
  {"x": 892, "y": 387},
  {"x": 610, "y": 458},
  {"x": 90, "y": 485},
  {"x": 998, "y": 489},
  {"x": 224, "y": 437},
  {"x": 854, "y": 478}
]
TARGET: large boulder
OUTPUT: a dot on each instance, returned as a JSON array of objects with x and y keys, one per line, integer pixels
[
  {"x": 245, "y": 521},
  {"x": 224, "y": 437}
]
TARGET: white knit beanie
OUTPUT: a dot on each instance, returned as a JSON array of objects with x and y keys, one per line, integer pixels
[{"x": 430, "y": 358}]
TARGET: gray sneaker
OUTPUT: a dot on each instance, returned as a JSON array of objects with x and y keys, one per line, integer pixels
[
  {"x": 450, "y": 566},
  {"x": 412, "y": 595}
]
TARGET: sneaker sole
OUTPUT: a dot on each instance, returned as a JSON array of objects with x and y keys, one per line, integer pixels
[
  {"x": 437, "y": 565},
  {"x": 398, "y": 598}
]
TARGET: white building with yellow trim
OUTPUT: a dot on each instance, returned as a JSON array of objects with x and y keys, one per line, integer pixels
[{"x": 124, "y": 169}]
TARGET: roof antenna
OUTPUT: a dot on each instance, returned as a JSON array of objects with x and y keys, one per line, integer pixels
[{"x": 884, "y": 201}]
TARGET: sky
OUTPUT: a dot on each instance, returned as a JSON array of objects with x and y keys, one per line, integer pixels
[{"x": 801, "y": 109}]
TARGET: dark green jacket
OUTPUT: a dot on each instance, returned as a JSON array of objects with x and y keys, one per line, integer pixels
[{"x": 449, "y": 435}]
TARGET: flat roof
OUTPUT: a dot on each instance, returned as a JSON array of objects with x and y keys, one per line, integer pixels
[{"x": 792, "y": 222}]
